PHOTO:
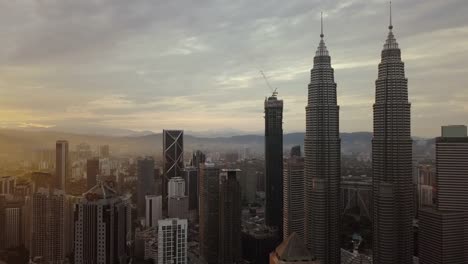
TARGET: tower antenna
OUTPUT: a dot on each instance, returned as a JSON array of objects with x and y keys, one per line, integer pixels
[
  {"x": 390, "y": 26},
  {"x": 321, "y": 24}
]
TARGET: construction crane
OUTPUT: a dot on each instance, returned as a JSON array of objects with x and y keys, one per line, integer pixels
[{"x": 274, "y": 92}]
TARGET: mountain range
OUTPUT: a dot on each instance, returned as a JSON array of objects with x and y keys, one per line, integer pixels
[{"x": 20, "y": 141}]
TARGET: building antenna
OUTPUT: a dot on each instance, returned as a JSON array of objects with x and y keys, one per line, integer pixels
[
  {"x": 321, "y": 24},
  {"x": 390, "y": 25}
]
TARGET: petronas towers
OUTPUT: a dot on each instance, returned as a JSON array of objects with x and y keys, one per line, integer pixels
[
  {"x": 391, "y": 159},
  {"x": 322, "y": 161}
]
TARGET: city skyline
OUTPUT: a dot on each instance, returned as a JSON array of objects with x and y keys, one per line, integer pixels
[{"x": 105, "y": 65}]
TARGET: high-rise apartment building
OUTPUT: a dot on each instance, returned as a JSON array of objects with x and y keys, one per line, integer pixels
[
  {"x": 172, "y": 241},
  {"x": 92, "y": 172},
  {"x": 392, "y": 160},
  {"x": 62, "y": 164},
  {"x": 13, "y": 227},
  {"x": 102, "y": 226},
  {"x": 153, "y": 210},
  {"x": 209, "y": 212},
  {"x": 293, "y": 197},
  {"x": 322, "y": 161},
  {"x": 7, "y": 185},
  {"x": 274, "y": 162},
  {"x": 443, "y": 227},
  {"x": 145, "y": 184},
  {"x": 48, "y": 226},
  {"x": 230, "y": 250}
]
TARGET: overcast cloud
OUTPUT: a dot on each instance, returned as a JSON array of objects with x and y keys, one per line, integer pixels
[{"x": 194, "y": 65}]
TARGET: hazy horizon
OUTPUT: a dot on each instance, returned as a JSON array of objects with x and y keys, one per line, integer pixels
[{"x": 148, "y": 65}]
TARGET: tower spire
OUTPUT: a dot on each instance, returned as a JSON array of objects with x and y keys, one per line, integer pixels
[
  {"x": 390, "y": 26},
  {"x": 321, "y": 24}
]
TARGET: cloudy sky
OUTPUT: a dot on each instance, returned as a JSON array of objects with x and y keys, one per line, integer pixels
[{"x": 194, "y": 65}]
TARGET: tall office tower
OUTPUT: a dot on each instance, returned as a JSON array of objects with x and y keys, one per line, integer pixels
[
  {"x": 178, "y": 202},
  {"x": 392, "y": 185},
  {"x": 274, "y": 162},
  {"x": 92, "y": 171},
  {"x": 104, "y": 151},
  {"x": 7, "y": 184},
  {"x": 173, "y": 158},
  {"x": 145, "y": 184},
  {"x": 153, "y": 210},
  {"x": 229, "y": 217},
  {"x": 293, "y": 191},
  {"x": 62, "y": 164},
  {"x": 191, "y": 190},
  {"x": 322, "y": 161},
  {"x": 48, "y": 226},
  {"x": 209, "y": 212},
  {"x": 443, "y": 228},
  {"x": 173, "y": 153},
  {"x": 172, "y": 241},
  {"x": 102, "y": 226},
  {"x": 197, "y": 158}
]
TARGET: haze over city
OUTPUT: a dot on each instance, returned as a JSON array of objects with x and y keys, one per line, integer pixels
[{"x": 101, "y": 66}]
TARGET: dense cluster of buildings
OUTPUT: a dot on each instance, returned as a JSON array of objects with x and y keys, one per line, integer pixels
[{"x": 211, "y": 212}]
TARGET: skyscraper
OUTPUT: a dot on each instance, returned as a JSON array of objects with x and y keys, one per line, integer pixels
[
  {"x": 443, "y": 228},
  {"x": 61, "y": 164},
  {"x": 172, "y": 241},
  {"x": 274, "y": 162},
  {"x": 173, "y": 158},
  {"x": 293, "y": 195},
  {"x": 209, "y": 212},
  {"x": 48, "y": 226},
  {"x": 173, "y": 153},
  {"x": 102, "y": 226},
  {"x": 92, "y": 171},
  {"x": 229, "y": 218},
  {"x": 392, "y": 186},
  {"x": 145, "y": 184},
  {"x": 322, "y": 161}
]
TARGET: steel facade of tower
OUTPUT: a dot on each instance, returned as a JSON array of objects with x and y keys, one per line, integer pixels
[
  {"x": 274, "y": 162},
  {"x": 392, "y": 161},
  {"x": 322, "y": 162},
  {"x": 173, "y": 143}
]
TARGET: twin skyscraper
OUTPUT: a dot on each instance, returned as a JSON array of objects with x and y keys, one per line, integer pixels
[{"x": 392, "y": 205}]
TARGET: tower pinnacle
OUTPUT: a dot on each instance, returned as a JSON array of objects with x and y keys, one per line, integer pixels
[
  {"x": 321, "y": 24},
  {"x": 390, "y": 26}
]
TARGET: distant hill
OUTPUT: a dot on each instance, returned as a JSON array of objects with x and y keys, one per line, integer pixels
[{"x": 18, "y": 142}]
